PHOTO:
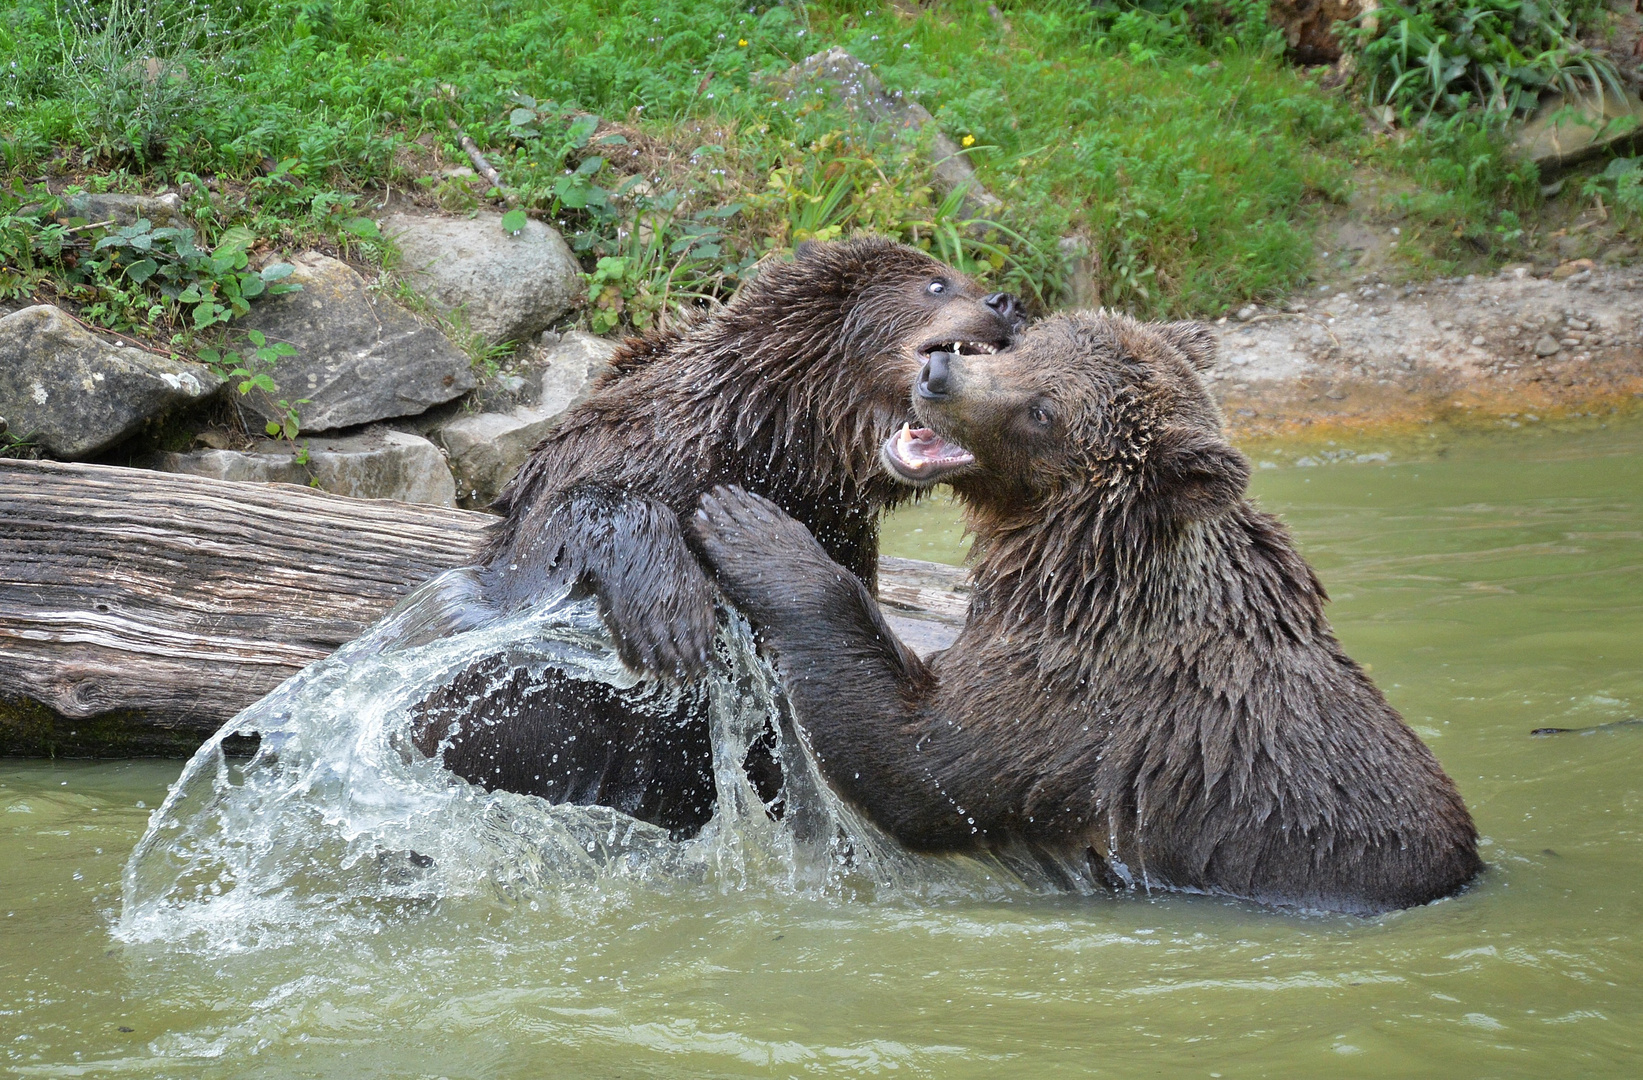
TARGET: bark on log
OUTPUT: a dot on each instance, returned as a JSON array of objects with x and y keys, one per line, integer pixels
[{"x": 140, "y": 610}]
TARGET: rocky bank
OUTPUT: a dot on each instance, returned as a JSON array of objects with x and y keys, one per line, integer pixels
[
  {"x": 392, "y": 409},
  {"x": 1508, "y": 348}
]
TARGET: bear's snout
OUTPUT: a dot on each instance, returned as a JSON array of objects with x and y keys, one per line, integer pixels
[
  {"x": 934, "y": 377},
  {"x": 1007, "y": 307}
]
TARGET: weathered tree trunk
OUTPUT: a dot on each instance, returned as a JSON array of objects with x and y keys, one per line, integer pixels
[{"x": 139, "y": 610}]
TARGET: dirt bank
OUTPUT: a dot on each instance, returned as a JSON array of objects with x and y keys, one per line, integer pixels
[{"x": 1373, "y": 355}]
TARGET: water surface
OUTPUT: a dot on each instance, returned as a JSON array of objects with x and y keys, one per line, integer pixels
[{"x": 1493, "y": 586}]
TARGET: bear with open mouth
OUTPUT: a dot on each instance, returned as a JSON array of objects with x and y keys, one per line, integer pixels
[
  {"x": 788, "y": 390},
  {"x": 1146, "y": 693}
]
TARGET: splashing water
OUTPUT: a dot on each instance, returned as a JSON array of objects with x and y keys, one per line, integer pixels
[{"x": 339, "y": 822}]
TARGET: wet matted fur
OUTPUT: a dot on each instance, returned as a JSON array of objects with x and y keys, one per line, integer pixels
[
  {"x": 1147, "y": 690},
  {"x": 788, "y": 390}
]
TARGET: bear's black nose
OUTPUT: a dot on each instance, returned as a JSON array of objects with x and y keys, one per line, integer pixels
[
  {"x": 932, "y": 379},
  {"x": 1007, "y": 306}
]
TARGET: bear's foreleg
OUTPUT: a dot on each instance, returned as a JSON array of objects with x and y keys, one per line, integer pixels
[
  {"x": 631, "y": 554},
  {"x": 861, "y": 697}
]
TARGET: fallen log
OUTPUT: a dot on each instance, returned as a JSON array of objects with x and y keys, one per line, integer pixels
[{"x": 139, "y": 610}]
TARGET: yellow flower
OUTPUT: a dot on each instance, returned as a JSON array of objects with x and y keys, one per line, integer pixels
[
  {"x": 742, "y": 42},
  {"x": 969, "y": 140}
]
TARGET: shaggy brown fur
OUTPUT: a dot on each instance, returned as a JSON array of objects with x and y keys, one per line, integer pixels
[
  {"x": 1146, "y": 691},
  {"x": 788, "y": 391}
]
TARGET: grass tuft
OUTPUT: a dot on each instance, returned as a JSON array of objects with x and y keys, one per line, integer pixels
[{"x": 1160, "y": 156}]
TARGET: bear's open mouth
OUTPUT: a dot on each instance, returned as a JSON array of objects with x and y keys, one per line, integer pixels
[
  {"x": 962, "y": 348},
  {"x": 919, "y": 456}
]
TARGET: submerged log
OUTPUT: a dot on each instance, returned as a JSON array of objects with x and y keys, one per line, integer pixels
[{"x": 140, "y": 610}]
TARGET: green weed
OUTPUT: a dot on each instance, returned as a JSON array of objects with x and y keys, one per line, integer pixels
[
  {"x": 136, "y": 71},
  {"x": 1446, "y": 56},
  {"x": 1622, "y": 181},
  {"x": 132, "y": 275},
  {"x": 251, "y": 369},
  {"x": 1190, "y": 170},
  {"x": 1466, "y": 193}
]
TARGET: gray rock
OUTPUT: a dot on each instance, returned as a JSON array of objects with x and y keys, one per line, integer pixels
[
  {"x": 1079, "y": 264},
  {"x": 487, "y": 448},
  {"x": 360, "y": 358},
  {"x": 128, "y": 209},
  {"x": 1547, "y": 346},
  {"x": 853, "y": 84},
  {"x": 74, "y": 395},
  {"x": 1564, "y": 133},
  {"x": 505, "y": 286},
  {"x": 379, "y": 464},
  {"x": 565, "y": 371}
]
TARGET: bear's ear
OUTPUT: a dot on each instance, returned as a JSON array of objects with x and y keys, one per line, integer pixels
[
  {"x": 1194, "y": 339},
  {"x": 1199, "y": 474}
]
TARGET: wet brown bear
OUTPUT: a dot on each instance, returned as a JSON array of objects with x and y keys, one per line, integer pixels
[
  {"x": 788, "y": 390},
  {"x": 1147, "y": 692}
]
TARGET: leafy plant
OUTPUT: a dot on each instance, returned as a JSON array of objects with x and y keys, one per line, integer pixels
[
  {"x": 613, "y": 287},
  {"x": 213, "y": 286},
  {"x": 284, "y": 196},
  {"x": 1144, "y": 30},
  {"x": 252, "y": 370},
  {"x": 662, "y": 258},
  {"x": 287, "y": 424},
  {"x": 816, "y": 208},
  {"x": 548, "y": 138},
  {"x": 1467, "y": 187},
  {"x": 1446, "y": 56},
  {"x": 1622, "y": 181},
  {"x": 143, "y": 277},
  {"x": 133, "y": 275},
  {"x": 835, "y": 188}
]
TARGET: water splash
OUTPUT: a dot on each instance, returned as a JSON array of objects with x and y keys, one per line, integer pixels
[{"x": 339, "y": 823}]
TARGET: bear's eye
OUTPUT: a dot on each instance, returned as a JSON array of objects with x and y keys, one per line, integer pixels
[
  {"x": 937, "y": 287},
  {"x": 1039, "y": 415}
]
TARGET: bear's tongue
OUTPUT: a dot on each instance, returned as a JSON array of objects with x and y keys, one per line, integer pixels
[{"x": 921, "y": 456}]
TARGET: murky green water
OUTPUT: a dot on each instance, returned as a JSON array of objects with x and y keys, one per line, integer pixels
[{"x": 1494, "y": 589}]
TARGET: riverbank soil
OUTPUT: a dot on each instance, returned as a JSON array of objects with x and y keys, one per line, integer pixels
[{"x": 1509, "y": 348}]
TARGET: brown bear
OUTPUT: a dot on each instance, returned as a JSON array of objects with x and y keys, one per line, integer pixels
[
  {"x": 1146, "y": 692},
  {"x": 787, "y": 390}
]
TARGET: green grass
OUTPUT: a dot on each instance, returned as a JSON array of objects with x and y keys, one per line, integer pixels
[
  {"x": 1191, "y": 159},
  {"x": 1193, "y": 171}
]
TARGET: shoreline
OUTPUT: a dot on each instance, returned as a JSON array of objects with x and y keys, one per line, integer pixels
[{"x": 1379, "y": 359}]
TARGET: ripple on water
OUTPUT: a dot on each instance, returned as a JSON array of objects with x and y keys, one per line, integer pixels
[{"x": 338, "y": 823}]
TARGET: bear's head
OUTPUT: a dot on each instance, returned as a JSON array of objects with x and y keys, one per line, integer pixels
[
  {"x": 877, "y": 308},
  {"x": 1084, "y": 407}
]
